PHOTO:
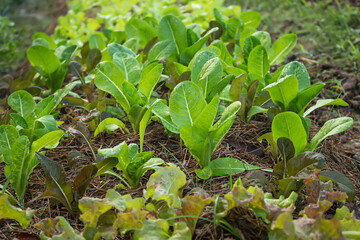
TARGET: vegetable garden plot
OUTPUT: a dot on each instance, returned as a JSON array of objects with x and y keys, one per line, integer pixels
[{"x": 132, "y": 133}]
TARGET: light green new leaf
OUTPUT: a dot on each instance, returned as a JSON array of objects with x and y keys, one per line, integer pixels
[
  {"x": 165, "y": 184},
  {"x": 172, "y": 28},
  {"x": 43, "y": 58},
  {"x": 8, "y": 136},
  {"x": 161, "y": 50},
  {"x": 299, "y": 70},
  {"x": 283, "y": 91},
  {"x": 209, "y": 76},
  {"x": 198, "y": 63},
  {"x": 264, "y": 38},
  {"x": 289, "y": 125},
  {"x": 48, "y": 139},
  {"x": 110, "y": 125},
  {"x": 331, "y": 127},
  {"x": 140, "y": 29},
  {"x": 251, "y": 19},
  {"x": 227, "y": 166},
  {"x": 8, "y": 210},
  {"x": 325, "y": 102},
  {"x": 150, "y": 77},
  {"x": 281, "y": 48},
  {"x": 161, "y": 110},
  {"x": 258, "y": 63},
  {"x": 22, "y": 102},
  {"x": 129, "y": 66},
  {"x": 109, "y": 78},
  {"x": 186, "y": 103}
]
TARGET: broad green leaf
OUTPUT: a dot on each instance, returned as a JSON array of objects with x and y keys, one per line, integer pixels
[
  {"x": 209, "y": 76},
  {"x": 96, "y": 41},
  {"x": 181, "y": 232},
  {"x": 8, "y": 137},
  {"x": 19, "y": 121},
  {"x": 43, "y": 58},
  {"x": 245, "y": 34},
  {"x": 172, "y": 28},
  {"x": 150, "y": 77},
  {"x": 109, "y": 78},
  {"x": 264, "y": 38},
  {"x": 249, "y": 44},
  {"x": 161, "y": 50},
  {"x": 234, "y": 28},
  {"x": 186, "y": 103},
  {"x": 331, "y": 127},
  {"x": 219, "y": 88},
  {"x": 115, "y": 48},
  {"x": 93, "y": 58},
  {"x": 22, "y": 102},
  {"x": 190, "y": 51},
  {"x": 251, "y": 19},
  {"x": 161, "y": 110},
  {"x": 299, "y": 70},
  {"x": 253, "y": 111},
  {"x": 341, "y": 180},
  {"x": 8, "y": 210},
  {"x": 198, "y": 63},
  {"x": 289, "y": 125},
  {"x": 44, "y": 125},
  {"x": 112, "y": 152},
  {"x": 44, "y": 36},
  {"x": 56, "y": 184},
  {"x": 236, "y": 87},
  {"x": 304, "y": 98},
  {"x": 325, "y": 102},
  {"x": 283, "y": 91},
  {"x": 110, "y": 125},
  {"x": 281, "y": 48},
  {"x": 67, "y": 54},
  {"x": 129, "y": 66},
  {"x": 16, "y": 170},
  {"x": 204, "y": 173},
  {"x": 258, "y": 64},
  {"x": 92, "y": 209},
  {"x": 140, "y": 29},
  {"x": 286, "y": 148},
  {"x": 165, "y": 184},
  {"x": 227, "y": 166}
]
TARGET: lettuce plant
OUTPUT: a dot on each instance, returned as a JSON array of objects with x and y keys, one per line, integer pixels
[
  {"x": 132, "y": 163},
  {"x": 49, "y": 60},
  {"x": 131, "y": 87}
]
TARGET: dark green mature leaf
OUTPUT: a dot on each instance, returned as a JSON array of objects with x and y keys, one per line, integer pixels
[
  {"x": 289, "y": 125},
  {"x": 83, "y": 179},
  {"x": 105, "y": 165},
  {"x": 237, "y": 86},
  {"x": 234, "y": 28},
  {"x": 286, "y": 148},
  {"x": 129, "y": 66},
  {"x": 19, "y": 121},
  {"x": 161, "y": 50},
  {"x": 283, "y": 91},
  {"x": 249, "y": 44},
  {"x": 281, "y": 48},
  {"x": 22, "y": 102},
  {"x": 8, "y": 210},
  {"x": 341, "y": 180},
  {"x": 93, "y": 58},
  {"x": 172, "y": 28},
  {"x": 258, "y": 63},
  {"x": 76, "y": 69},
  {"x": 56, "y": 185},
  {"x": 67, "y": 54},
  {"x": 118, "y": 48},
  {"x": 161, "y": 110},
  {"x": 165, "y": 184},
  {"x": 299, "y": 70},
  {"x": 331, "y": 127},
  {"x": 227, "y": 166},
  {"x": 304, "y": 163},
  {"x": 186, "y": 103}
]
